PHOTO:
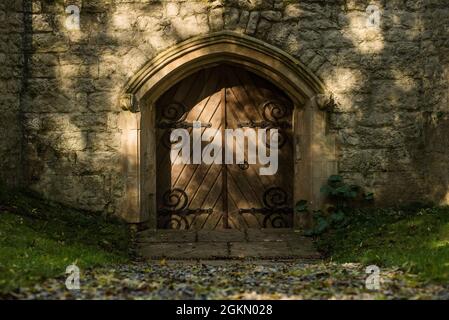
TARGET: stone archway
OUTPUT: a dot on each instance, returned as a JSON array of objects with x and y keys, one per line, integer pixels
[{"x": 314, "y": 147}]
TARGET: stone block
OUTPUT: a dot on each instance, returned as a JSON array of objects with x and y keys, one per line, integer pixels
[
  {"x": 216, "y": 21},
  {"x": 244, "y": 250},
  {"x": 225, "y": 235},
  {"x": 253, "y": 20},
  {"x": 197, "y": 250},
  {"x": 157, "y": 236}
]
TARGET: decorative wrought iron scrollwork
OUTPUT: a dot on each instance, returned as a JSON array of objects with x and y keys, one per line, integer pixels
[
  {"x": 266, "y": 211},
  {"x": 275, "y": 220},
  {"x": 281, "y": 139},
  {"x": 181, "y": 125},
  {"x": 276, "y": 210},
  {"x": 274, "y": 111},
  {"x": 174, "y": 112},
  {"x": 264, "y": 124},
  {"x": 176, "y": 222},
  {"x": 173, "y": 213},
  {"x": 175, "y": 200},
  {"x": 275, "y": 197},
  {"x": 185, "y": 212},
  {"x": 173, "y": 116}
]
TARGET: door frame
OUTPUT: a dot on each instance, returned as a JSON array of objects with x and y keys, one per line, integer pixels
[{"x": 314, "y": 146}]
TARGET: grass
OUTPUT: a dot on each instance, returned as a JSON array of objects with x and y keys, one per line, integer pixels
[
  {"x": 39, "y": 240},
  {"x": 414, "y": 239}
]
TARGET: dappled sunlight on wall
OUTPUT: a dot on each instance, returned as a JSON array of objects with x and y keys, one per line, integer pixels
[
  {"x": 343, "y": 80},
  {"x": 387, "y": 81},
  {"x": 366, "y": 38},
  {"x": 403, "y": 81}
]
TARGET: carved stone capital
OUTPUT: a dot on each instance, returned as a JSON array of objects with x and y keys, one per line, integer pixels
[
  {"x": 128, "y": 102},
  {"x": 325, "y": 102}
]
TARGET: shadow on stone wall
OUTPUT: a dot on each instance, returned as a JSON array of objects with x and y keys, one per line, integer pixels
[
  {"x": 70, "y": 130},
  {"x": 390, "y": 84},
  {"x": 11, "y": 75},
  {"x": 71, "y": 104},
  {"x": 389, "y": 81}
]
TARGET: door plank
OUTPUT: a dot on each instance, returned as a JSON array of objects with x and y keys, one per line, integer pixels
[
  {"x": 246, "y": 95},
  {"x": 223, "y": 96}
]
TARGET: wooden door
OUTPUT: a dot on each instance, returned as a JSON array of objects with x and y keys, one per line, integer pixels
[{"x": 203, "y": 196}]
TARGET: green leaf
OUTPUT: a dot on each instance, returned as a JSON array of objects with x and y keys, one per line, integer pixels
[
  {"x": 369, "y": 196},
  {"x": 342, "y": 189},
  {"x": 301, "y": 206},
  {"x": 335, "y": 179},
  {"x": 321, "y": 225},
  {"x": 308, "y": 232},
  {"x": 326, "y": 190},
  {"x": 317, "y": 213},
  {"x": 351, "y": 194},
  {"x": 338, "y": 216}
]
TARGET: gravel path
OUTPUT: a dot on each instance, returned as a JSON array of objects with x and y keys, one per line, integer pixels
[{"x": 236, "y": 280}]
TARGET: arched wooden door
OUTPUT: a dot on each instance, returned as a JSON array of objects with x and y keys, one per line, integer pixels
[{"x": 202, "y": 196}]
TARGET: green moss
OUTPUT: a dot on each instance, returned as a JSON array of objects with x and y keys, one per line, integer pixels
[
  {"x": 416, "y": 240},
  {"x": 39, "y": 240}
]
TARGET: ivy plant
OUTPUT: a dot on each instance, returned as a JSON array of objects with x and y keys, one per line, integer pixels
[{"x": 341, "y": 197}]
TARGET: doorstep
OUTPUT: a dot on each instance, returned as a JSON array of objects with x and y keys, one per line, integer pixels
[{"x": 283, "y": 244}]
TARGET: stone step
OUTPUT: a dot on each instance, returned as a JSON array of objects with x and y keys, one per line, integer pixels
[
  {"x": 225, "y": 244},
  {"x": 223, "y": 235}
]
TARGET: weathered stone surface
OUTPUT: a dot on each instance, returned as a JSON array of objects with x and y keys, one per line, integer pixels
[
  {"x": 231, "y": 18},
  {"x": 225, "y": 244},
  {"x": 216, "y": 19},
  {"x": 252, "y": 22},
  {"x": 271, "y": 15},
  {"x": 259, "y": 250},
  {"x": 185, "y": 250},
  {"x": 60, "y": 89},
  {"x": 225, "y": 235},
  {"x": 268, "y": 235},
  {"x": 11, "y": 84},
  {"x": 167, "y": 236},
  {"x": 273, "y": 249}
]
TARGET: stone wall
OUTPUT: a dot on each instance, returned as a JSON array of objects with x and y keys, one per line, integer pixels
[
  {"x": 11, "y": 67},
  {"x": 435, "y": 108},
  {"x": 389, "y": 81}
]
